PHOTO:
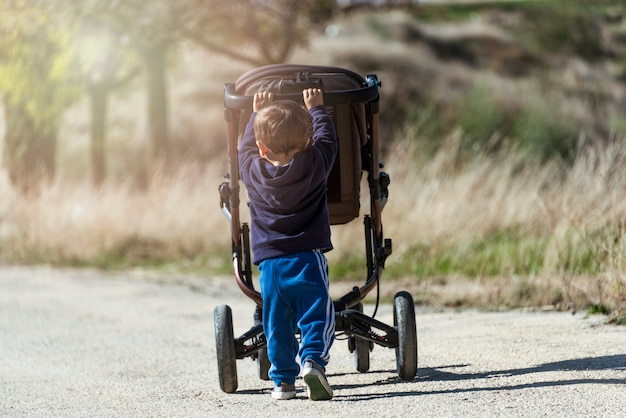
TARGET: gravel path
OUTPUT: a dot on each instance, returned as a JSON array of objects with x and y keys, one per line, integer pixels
[{"x": 78, "y": 343}]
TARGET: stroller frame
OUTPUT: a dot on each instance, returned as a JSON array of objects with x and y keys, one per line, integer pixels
[{"x": 363, "y": 331}]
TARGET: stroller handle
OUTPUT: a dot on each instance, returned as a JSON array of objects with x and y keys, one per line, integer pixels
[{"x": 365, "y": 94}]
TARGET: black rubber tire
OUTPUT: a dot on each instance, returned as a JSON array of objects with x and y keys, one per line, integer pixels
[
  {"x": 361, "y": 350},
  {"x": 404, "y": 322},
  {"x": 225, "y": 347},
  {"x": 263, "y": 364},
  {"x": 262, "y": 360},
  {"x": 361, "y": 355}
]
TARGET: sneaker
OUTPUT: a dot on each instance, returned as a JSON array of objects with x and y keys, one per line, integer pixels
[
  {"x": 284, "y": 391},
  {"x": 315, "y": 379}
]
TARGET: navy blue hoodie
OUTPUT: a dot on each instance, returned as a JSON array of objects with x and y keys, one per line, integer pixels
[{"x": 288, "y": 209}]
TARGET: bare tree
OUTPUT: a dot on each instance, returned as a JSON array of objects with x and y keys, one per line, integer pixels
[
  {"x": 258, "y": 32},
  {"x": 106, "y": 66},
  {"x": 36, "y": 61},
  {"x": 254, "y": 31},
  {"x": 150, "y": 29}
]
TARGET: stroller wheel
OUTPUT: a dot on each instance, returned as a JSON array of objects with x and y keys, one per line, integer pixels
[
  {"x": 263, "y": 364},
  {"x": 262, "y": 360},
  {"x": 404, "y": 321},
  {"x": 361, "y": 354},
  {"x": 225, "y": 346},
  {"x": 361, "y": 351}
]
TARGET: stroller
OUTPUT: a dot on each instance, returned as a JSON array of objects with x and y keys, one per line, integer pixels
[{"x": 353, "y": 103}]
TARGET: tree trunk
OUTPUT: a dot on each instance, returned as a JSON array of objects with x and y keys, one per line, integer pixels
[
  {"x": 29, "y": 151},
  {"x": 157, "y": 102},
  {"x": 99, "y": 95}
]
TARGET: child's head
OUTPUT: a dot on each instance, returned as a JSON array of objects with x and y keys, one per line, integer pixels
[{"x": 283, "y": 126}]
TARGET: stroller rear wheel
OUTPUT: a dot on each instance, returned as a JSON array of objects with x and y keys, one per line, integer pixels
[
  {"x": 404, "y": 322},
  {"x": 225, "y": 346}
]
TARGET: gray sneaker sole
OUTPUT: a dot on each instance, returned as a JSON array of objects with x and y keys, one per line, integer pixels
[
  {"x": 318, "y": 391},
  {"x": 281, "y": 396}
]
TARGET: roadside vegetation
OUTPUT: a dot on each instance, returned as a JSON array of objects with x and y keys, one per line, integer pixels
[{"x": 503, "y": 133}]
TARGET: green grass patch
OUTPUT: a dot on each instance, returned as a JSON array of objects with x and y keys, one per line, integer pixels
[
  {"x": 139, "y": 253},
  {"x": 619, "y": 319},
  {"x": 505, "y": 252},
  {"x": 598, "y": 309},
  {"x": 349, "y": 267},
  {"x": 458, "y": 12},
  {"x": 589, "y": 252}
]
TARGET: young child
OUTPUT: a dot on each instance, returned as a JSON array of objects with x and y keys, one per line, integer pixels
[{"x": 285, "y": 170}]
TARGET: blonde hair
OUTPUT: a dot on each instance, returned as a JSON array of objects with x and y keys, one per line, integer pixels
[{"x": 283, "y": 126}]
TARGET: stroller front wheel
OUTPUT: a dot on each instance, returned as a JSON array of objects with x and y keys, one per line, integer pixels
[
  {"x": 361, "y": 354},
  {"x": 263, "y": 364},
  {"x": 404, "y": 322},
  {"x": 360, "y": 349}
]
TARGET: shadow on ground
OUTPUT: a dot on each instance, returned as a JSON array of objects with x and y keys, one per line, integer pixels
[{"x": 433, "y": 374}]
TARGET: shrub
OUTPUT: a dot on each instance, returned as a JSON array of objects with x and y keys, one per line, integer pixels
[
  {"x": 480, "y": 117},
  {"x": 542, "y": 130},
  {"x": 566, "y": 27}
]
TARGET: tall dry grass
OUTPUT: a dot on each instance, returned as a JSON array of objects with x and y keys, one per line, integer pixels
[
  {"x": 434, "y": 203},
  {"x": 72, "y": 222},
  {"x": 569, "y": 211},
  {"x": 437, "y": 202}
]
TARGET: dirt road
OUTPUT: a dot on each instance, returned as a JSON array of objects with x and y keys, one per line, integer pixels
[{"x": 77, "y": 343}]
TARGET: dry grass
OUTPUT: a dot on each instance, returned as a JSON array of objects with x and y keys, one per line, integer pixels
[
  {"x": 72, "y": 222},
  {"x": 435, "y": 203},
  {"x": 577, "y": 211}
]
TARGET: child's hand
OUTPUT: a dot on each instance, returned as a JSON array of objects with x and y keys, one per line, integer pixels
[
  {"x": 313, "y": 97},
  {"x": 262, "y": 99}
]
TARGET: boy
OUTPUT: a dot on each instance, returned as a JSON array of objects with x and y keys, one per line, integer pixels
[{"x": 285, "y": 171}]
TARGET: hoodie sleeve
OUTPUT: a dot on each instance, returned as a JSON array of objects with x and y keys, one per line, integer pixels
[
  {"x": 248, "y": 150},
  {"x": 324, "y": 136}
]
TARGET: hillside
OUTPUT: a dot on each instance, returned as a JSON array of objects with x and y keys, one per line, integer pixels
[{"x": 481, "y": 68}]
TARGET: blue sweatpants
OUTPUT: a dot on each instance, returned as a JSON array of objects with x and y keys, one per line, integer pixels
[{"x": 295, "y": 295}]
